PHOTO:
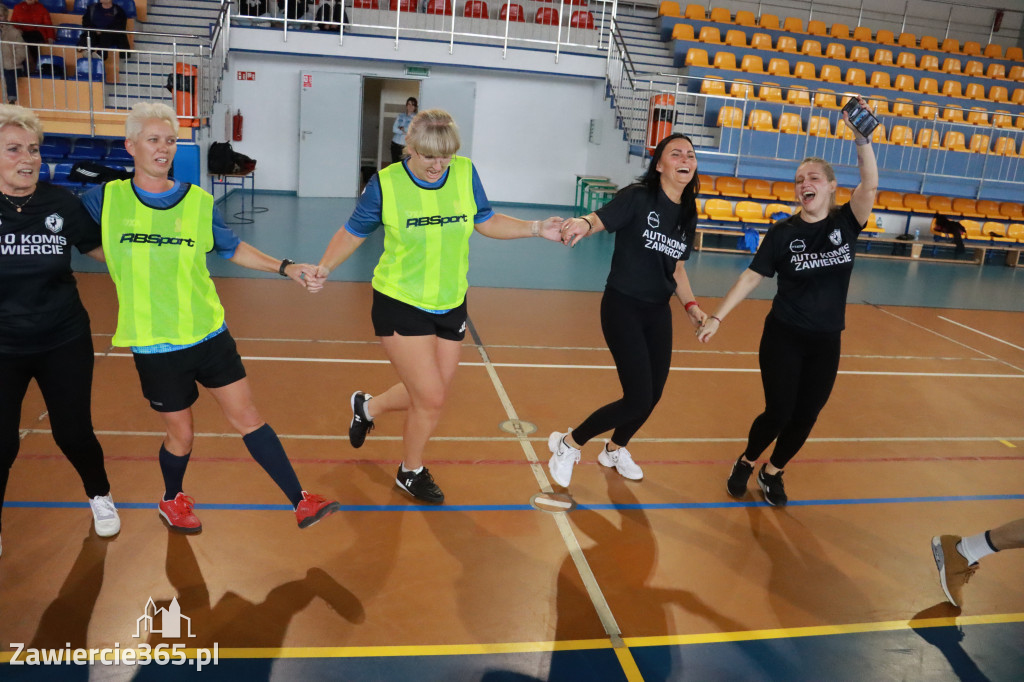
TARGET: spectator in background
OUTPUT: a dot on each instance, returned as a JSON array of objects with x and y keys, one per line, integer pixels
[
  {"x": 401, "y": 127},
  {"x": 294, "y": 9},
  {"x": 13, "y": 56},
  {"x": 30, "y": 12},
  {"x": 106, "y": 16},
  {"x": 253, "y": 8}
]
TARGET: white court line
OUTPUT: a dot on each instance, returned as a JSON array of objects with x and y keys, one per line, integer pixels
[
  {"x": 527, "y": 365},
  {"x": 978, "y": 331}
]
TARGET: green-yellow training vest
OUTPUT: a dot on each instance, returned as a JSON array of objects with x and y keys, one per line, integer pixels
[
  {"x": 426, "y": 237},
  {"x": 157, "y": 259}
]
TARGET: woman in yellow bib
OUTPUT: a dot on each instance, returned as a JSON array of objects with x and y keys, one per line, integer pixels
[{"x": 429, "y": 204}]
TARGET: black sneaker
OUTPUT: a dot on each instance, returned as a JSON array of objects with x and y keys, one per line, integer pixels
[
  {"x": 421, "y": 485},
  {"x": 360, "y": 424},
  {"x": 737, "y": 483},
  {"x": 772, "y": 487}
]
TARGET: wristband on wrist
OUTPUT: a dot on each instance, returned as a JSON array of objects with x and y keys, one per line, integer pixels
[
  {"x": 285, "y": 262},
  {"x": 689, "y": 305},
  {"x": 535, "y": 228},
  {"x": 860, "y": 142},
  {"x": 590, "y": 225},
  {"x": 714, "y": 317}
]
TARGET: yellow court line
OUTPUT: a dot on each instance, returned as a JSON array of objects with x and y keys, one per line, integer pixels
[
  {"x": 821, "y": 630},
  {"x": 417, "y": 650},
  {"x": 629, "y": 666},
  {"x": 1007, "y": 443}
]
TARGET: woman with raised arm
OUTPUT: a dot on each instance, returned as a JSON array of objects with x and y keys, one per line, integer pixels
[{"x": 812, "y": 252}]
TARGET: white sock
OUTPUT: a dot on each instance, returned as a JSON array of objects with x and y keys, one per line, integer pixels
[
  {"x": 411, "y": 471},
  {"x": 366, "y": 411},
  {"x": 974, "y": 548}
]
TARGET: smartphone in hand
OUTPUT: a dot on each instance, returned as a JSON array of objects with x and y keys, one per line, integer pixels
[{"x": 861, "y": 117}]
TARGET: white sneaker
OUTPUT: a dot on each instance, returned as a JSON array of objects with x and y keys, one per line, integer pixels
[
  {"x": 563, "y": 459},
  {"x": 104, "y": 516},
  {"x": 622, "y": 461}
]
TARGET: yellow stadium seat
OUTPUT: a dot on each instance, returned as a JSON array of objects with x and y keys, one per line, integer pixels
[
  {"x": 839, "y": 31},
  {"x": 682, "y": 32},
  {"x": 729, "y": 187},
  {"x": 761, "y": 41},
  {"x": 859, "y": 53},
  {"x": 974, "y": 68},
  {"x": 695, "y": 12},
  {"x": 1016, "y": 73},
  {"x": 872, "y": 225},
  {"x": 943, "y": 205},
  {"x": 879, "y": 104},
  {"x": 928, "y": 110},
  {"x": 786, "y": 44},
  {"x": 695, "y": 56},
  {"x": 906, "y": 60},
  {"x": 975, "y": 91},
  {"x": 998, "y": 93},
  {"x": 745, "y": 18},
  {"x": 989, "y": 209},
  {"x": 928, "y": 86},
  {"x": 757, "y": 188},
  {"x": 668, "y": 9},
  {"x": 769, "y": 21},
  {"x": 993, "y": 51},
  {"x": 843, "y": 131},
  {"x": 879, "y": 136},
  {"x": 1002, "y": 119},
  {"x": 816, "y": 28},
  {"x": 825, "y": 98},
  {"x": 811, "y": 48},
  {"x": 793, "y": 25},
  {"x": 778, "y": 67},
  {"x": 1015, "y": 231},
  {"x": 791, "y": 123},
  {"x": 954, "y": 141},
  {"x": 929, "y": 43},
  {"x": 843, "y": 195},
  {"x": 750, "y": 212},
  {"x": 1018, "y": 96},
  {"x": 1012, "y": 211},
  {"x": 855, "y": 76},
  {"x": 926, "y": 137},
  {"x": 713, "y": 85},
  {"x": 972, "y": 48},
  {"x": 882, "y": 57},
  {"x": 760, "y": 119},
  {"x": 700, "y": 208},
  {"x": 951, "y": 65},
  {"x": 725, "y": 60},
  {"x": 736, "y": 38},
  {"x": 903, "y": 107},
  {"x": 741, "y": 88},
  {"x": 819, "y": 126},
  {"x": 863, "y": 34},
  {"x": 997, "y": 71},
  {"x": 719, "y": 209},
  {"x": 835, "y": 51},
  {"x": 915, "y": 203},
  {"x": 784, "y": 191},
  {"x": 885, "y": 37},
  {"x": 880, "y": 79},
  {"x": 953, "y": 115},
  {"x": 950, "y": 45},
  {"x": 891, "y": 201},
  {"x": 997, "y": 232},
  {"x": 710, "y": 34},
  {"x": 770, "y": 92},
  {"x": 980, "y": 143},
  {"x": 752, "y": 64},
  {"x": 1014, "y": 53},
  {"x": 797, "y": 94},
  {"x": 966, "y": 207},
  {"x": 902, "y": 135},
  {"x": 972, "y": 228},
  {"x": 720, "y": 15},
  {"x": 707, "y": 184},
  {"x": 929, "y": 62},
  {"x": 772, "y": 209},
  {"x": 905, "y": 83},
  {"x": 951, "y": 88},
  {"x": 730, "y": 117},
  {"x": 907, "y": 40}
]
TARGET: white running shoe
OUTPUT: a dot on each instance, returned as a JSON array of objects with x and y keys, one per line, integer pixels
[
  {"x": 622, "y": 461},
  {"x": 104, "y": 516},
  {"x": 563, "y": 459}
]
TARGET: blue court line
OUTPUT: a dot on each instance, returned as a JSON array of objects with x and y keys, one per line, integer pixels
[{"x": 527, "y": 507}]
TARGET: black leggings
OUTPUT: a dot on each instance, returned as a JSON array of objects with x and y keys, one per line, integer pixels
[
  {"x": 639, "y": 335},
  {"x": 64, "y": 375},
  {"x": 798, "y": 371}
]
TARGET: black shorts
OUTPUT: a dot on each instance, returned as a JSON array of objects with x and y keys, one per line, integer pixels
[
  {"x": 169, "y": 379},
  {"x": 391, "y": 316}
]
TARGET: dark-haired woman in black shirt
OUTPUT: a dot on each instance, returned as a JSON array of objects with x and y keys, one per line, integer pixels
[
  {"x": 44, "y": 329},
  {"x": 812, "y": 252},
  {"x": 654, "y": 222}
]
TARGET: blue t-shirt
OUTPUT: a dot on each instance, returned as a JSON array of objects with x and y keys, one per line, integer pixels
[
  {"x": 367, "y": 216},
  {"x": 224, "y": 240}
]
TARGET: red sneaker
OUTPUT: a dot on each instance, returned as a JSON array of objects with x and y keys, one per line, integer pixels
[
  {"x": 178, "y": 514},
  {"x": 313, "y": 508}
]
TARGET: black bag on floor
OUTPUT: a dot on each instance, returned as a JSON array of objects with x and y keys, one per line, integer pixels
[{"x": 223, "y": 160}]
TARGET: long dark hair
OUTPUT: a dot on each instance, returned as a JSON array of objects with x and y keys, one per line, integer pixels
[{"x": 651, "y": 179}]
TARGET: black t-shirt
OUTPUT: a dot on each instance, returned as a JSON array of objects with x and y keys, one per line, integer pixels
[
  {"x": 648, "y": 242},
  {"x": 814, "y": 262},
  {"x": 39, "y": 304}
]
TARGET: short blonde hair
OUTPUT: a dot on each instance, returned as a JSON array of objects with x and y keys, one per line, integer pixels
[
  {"x": 830, "y": 175},
  {"x": 12, "y": 114},
  {"x": 433, "y": 133},
  {"x": 145, "y": 111}
]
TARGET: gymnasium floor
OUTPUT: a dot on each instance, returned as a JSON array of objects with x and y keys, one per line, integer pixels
[{"x": 666, "y": 579}]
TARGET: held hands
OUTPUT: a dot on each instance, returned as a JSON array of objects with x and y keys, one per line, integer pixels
[
  {"x": 550, "y": 229},
  {"x": 697, "y": 317},
  {"x": 317, "y": 280},
  {"x": 307, "y": 276},
  {"x": 573, "y": 230},
  {"x": 708, "y": 328}
]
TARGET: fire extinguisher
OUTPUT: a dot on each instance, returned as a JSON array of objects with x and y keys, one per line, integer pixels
[{"x": 236, "y": 126}]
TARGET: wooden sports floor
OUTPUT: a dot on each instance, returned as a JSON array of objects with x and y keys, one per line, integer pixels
[{"x": 664, "y": 579}]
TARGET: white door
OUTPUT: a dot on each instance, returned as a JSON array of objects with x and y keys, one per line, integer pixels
[
  {"x": 330, "y": 105},
  {"x": 458, "y": 98}
]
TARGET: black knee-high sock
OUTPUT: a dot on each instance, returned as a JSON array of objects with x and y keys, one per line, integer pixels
[
  {"x": 173, "y": 468},
  {"x": 265, "y": 447}
]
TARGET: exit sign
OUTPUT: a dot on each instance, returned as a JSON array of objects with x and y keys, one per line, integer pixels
[
  {"x": 417, "y": 71},
  {"x": 246, "y": 75}
]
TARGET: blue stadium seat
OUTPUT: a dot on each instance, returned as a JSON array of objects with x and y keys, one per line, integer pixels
[
  {"x": 11, "y": 3},
  {"x": 128, "y": 6},
  {"x": 51, "y": 66},
  {"x": 83, "y": 70},
  {"x": 118, "y": 154},
  {"x": 60, "y": 175},
  {"x": 44, "y": 173},
  {"x": 81, "y": 5},
  {"x": 67, "y": 34},
  {"x": 55, "y": 6},
  {"x": 55, "y": 149},
  {"x": 88, "y": 149}
]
